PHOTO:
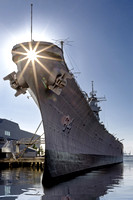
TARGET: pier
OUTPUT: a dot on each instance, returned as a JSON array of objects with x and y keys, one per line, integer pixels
[{"x": 36, "y": 162}]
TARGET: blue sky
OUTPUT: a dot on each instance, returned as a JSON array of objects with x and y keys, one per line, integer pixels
[{"x": 101, "y": 32}]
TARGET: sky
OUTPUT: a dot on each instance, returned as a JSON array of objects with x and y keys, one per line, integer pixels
[{"x": 98, "y": 47}]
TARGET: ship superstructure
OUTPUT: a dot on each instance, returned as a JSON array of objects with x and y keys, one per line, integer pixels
[
  {"x": 93, "y": 102},
  {"x": 75, "y": 140}
]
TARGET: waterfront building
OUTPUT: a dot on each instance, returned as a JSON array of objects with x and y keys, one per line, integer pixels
[{"x": 14, "y": 140}]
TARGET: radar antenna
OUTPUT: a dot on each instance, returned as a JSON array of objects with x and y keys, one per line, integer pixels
[{"x": 62, "y": 41}]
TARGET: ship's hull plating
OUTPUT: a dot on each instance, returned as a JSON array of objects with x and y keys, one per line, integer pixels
[
  {"x": 74, "y": 138},
  {"x": 63, "y": 163}
]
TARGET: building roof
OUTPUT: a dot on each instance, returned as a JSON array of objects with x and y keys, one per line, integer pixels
[{"x": 10, "y": 130}]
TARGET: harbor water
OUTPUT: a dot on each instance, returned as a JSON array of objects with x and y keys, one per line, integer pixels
[{"x": 112, "y": 183}]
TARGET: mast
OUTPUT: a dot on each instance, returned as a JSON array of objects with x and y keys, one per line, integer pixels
[
  {"x": 31, "y": 21},
  {"x": 92, "y": 87},
  {"x": 62, "y": 43},
  {"x": 92, "y": 93}
]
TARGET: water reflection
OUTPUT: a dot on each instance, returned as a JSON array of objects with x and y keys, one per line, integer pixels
[
  {"x": 26, "y": 184},
  {"x": 31, "y": 193},
  {"x": 20, "y": 183},
  {"x": 88, "y": 187}
]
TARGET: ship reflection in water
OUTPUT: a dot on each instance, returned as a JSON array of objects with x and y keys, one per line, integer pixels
[
  {"x": 86, "y": 187},
  {"x": 19, "y": 184}
]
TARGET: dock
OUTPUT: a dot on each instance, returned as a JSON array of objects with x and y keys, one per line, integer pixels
[{"x": 36, "y": 162}]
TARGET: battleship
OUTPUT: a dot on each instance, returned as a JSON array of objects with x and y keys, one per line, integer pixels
[{"x": 75, "y": 140}]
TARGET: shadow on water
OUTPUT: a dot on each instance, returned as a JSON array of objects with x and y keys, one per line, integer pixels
[{"x": 89, "y": 186}]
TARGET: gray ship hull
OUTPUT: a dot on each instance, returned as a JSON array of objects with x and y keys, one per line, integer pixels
[
  {"x": 59, "y": 164},
  {"x": 74, "y": 138}
]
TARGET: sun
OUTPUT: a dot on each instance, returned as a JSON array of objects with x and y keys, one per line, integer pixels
[{"x": 32, "y": 55}]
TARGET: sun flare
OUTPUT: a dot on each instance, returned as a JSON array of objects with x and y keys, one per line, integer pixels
[{"x": 32, "y": 55}]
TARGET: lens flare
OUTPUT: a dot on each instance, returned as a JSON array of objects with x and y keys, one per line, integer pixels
[{"x": 31, "y": 55}]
